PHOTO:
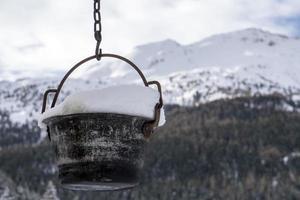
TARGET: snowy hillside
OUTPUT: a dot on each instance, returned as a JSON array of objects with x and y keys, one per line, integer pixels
[
  {"x": 250, "y": 61},
  {"x": 243, "y": 63}
]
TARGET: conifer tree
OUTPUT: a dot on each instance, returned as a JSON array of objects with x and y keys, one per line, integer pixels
[{"x": 51, "y": 192}]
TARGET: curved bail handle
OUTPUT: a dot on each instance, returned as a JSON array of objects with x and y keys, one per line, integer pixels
[
  {"x": 148, "y": 126},
  {"x": 91, "y": 58}
]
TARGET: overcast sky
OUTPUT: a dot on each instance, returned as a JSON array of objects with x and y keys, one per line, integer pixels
[{"x": 54, "y": 34}]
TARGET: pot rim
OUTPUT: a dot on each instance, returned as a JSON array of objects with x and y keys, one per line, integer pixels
[{"x": 58, "y": 117}]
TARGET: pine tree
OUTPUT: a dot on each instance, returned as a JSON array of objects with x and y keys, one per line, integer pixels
[
  {"x": 51, "y": 192},
  {"x": 5, "y": 194}
]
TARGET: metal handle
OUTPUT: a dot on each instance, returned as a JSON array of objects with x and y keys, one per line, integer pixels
[
  {"x": 46, "y": 97},
  {"x": 148, "y": 127},
  {"x": 91, "y": 58}
]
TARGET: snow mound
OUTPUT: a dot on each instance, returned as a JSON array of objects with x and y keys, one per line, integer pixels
[{"x": 124, "y": 99}]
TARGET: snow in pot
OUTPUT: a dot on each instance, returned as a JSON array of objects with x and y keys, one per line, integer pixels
[{"x": 99, "y": 138}]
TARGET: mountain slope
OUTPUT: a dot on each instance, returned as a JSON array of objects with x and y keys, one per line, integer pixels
[
  {"x": 250, "y": 61},
  {"x": 243, "y": 63}
]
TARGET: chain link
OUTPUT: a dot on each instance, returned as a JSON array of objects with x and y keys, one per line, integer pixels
[{"x": 97, "y": 28}]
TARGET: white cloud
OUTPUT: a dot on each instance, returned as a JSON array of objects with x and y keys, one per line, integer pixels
[{"x": 61, "y": 32}]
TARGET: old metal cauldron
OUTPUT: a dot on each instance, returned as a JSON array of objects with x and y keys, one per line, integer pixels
[{"x": 100, "y": 151}]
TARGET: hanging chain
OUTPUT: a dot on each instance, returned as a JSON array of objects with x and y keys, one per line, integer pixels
[{"x": 97, "y": 28}]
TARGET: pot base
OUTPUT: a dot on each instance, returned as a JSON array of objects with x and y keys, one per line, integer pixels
[
  {"x": 104, "y": 176},
  {"x": 98, "y": 186}
]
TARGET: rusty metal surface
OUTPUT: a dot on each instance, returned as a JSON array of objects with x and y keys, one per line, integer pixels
[{"x": 103, "y": 151}]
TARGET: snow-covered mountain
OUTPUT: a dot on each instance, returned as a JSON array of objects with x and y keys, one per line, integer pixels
[
  {"x": 242, "y": 63},
  {"x": 250, "y": 61}
]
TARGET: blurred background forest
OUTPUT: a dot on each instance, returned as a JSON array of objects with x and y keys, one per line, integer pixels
[{"x": 244, "y": 148}]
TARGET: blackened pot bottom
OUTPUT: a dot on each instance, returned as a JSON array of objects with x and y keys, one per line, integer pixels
[{"x": 104, "y": 176}]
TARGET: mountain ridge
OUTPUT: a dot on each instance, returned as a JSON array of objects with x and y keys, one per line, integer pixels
[{"x": 242, "y": 63}]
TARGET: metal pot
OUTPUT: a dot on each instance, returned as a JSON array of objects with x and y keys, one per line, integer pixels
[{"x": 100, "y": 151}]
